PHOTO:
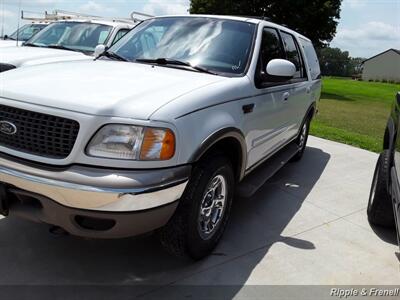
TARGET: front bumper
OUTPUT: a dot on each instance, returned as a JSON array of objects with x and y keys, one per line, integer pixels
[
  {"x": 136, "y": 201},
  {"x": 96, "y": 188}
]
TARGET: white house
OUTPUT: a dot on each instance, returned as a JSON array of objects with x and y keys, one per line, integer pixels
[{"x": 384, "y": 66}]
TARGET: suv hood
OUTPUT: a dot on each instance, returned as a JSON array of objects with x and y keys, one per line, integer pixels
[
  {"x": 103, "y": 87},
  {"x": 28, "y": 56},
  {"x": 9, "y": 43}
]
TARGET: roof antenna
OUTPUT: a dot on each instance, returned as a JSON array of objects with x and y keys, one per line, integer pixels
[
  {"x": 2, "y": 19},
  {"x": 20, "y": 11}
]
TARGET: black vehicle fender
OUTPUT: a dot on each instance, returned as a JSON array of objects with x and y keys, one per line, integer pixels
[
  {"x": 213, "y": 139},
  {"x": 390, "y": 135},
  {"x": 389, "y": 141}
]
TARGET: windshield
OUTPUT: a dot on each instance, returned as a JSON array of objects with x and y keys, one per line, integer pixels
[
  {"x": 78, "y": 36},
  {"x": 26, "y": 32},
  {"x": 221, "y": 46}
]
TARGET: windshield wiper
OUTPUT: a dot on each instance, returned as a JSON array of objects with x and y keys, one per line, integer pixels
[
  {"x": 113, "y": 55},
  {"x": 167, "y": 61},
  {"x": 31, "y": 45},
  {"x": 61, "y": 47}
]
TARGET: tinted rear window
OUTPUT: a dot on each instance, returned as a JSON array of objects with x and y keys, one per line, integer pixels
[{"x": 312, "y": 59}]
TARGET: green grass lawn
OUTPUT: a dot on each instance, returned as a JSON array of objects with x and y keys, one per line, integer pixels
[{"x": 354, "y": 112}]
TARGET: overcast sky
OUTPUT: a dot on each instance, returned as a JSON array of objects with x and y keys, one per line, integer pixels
[{"x": 366, "y": 27}]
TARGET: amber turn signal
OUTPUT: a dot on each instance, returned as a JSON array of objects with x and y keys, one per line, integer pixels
[{"x": 158, "y": 144}]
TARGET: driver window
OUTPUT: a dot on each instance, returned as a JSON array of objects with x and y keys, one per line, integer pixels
[
  {"x": 103, "y": 35},
  {"x": 271, "y": 48},
  {"x": 120, "y": 34}
]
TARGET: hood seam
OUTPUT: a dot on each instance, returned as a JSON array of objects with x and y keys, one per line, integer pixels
[{"x": 184, "y": 94}]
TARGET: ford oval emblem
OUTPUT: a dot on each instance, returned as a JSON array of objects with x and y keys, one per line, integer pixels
[{"x": 8, "y": 128}]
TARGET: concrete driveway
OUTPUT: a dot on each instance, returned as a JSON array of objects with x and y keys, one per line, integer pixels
[{"x": 306, "y": 226}]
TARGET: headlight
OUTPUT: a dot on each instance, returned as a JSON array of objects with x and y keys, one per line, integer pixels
[{"x": 132, "y": 143}]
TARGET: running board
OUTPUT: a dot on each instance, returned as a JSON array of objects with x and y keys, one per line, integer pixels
[{"x": 257, "y": 178}]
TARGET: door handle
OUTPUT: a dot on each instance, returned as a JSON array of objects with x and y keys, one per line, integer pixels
[
  {"x": 308, "y": 90},
  {"x": 286, "y": 96},
  {"x": 248, "y": 108}
]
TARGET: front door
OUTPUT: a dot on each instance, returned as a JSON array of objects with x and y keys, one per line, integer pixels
[
  {"x": 279, "y": 106},
  {"x": 267, "y": 126}
]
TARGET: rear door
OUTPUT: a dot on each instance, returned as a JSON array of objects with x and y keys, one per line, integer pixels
[{"x": 300, "y": 91}]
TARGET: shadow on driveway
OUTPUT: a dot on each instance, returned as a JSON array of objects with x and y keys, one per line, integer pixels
[{"x": 31, "y": 256}]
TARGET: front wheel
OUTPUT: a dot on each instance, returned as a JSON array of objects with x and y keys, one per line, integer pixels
[{"x": 202, "y": 215}]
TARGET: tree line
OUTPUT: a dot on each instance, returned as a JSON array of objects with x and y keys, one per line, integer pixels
[{"x": 335, "y": 62}]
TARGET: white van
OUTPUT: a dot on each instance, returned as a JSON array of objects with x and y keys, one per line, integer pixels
[
  {"x": 22, "y": 34},
  {"x": 64, "y": 41}
]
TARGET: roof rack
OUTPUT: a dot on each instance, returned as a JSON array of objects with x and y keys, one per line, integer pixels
[
  {"x": 66, "y": 15},
  {"x": 135, "y": 16},
  {"x": 27, "y": 15},
  {"x": 63, "y": 14},
  {"x": 56, "y": 15},
  {"x": 256, "y": 17},
  {"x": 59, "y": 15},
  {"x": 139, "y": 17}
]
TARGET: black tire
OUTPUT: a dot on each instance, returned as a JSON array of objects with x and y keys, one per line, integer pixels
[
  {"x": 182, "y": 235},
  {"x": 380, "y": 208},
  {"x": 302, "y": 144}
]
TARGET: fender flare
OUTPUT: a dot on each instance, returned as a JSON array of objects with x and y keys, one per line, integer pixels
[
  {"x": 313, "y": 106},
  {"x": 213, "y": 139},
  {"x": 389, "y": 141},
  {"x": 390, "y": 135}
]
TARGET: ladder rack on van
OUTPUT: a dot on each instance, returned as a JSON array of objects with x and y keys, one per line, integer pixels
[
  {"x": 139, "y": 17},
  {"x": 35, "y": 19},
  {"x": 59, "y": 15}
]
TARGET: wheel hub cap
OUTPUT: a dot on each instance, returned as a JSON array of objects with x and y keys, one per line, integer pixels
[
  {"x": 303, "y": 136},
  {"x": 212, "y": 206}
]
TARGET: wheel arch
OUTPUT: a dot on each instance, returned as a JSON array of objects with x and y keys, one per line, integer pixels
[
  {"x": 231, "y": 142},
  {"x": 390, "y": 135},
  {"x": 310, "y": 113}
]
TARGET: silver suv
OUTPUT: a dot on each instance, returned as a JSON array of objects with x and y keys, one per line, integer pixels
[{"x": 160, "y": 131}]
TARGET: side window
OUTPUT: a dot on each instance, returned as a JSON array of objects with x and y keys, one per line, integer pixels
[
  {"x": 120, "y": 34},
  {"x": 103, "y": 36},
  {"x": 271, "y": 48},
  {"x": 293, "y": 55},
  {"x": 312, "y": 59}
]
